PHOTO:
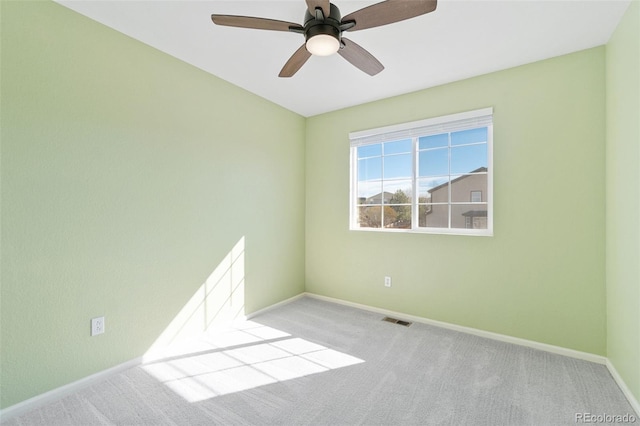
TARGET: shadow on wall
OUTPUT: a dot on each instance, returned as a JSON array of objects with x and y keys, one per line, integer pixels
[{"x": 219, "y": 300}]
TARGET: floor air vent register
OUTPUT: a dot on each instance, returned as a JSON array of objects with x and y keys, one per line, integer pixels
[{"x": 397, "y": 321}]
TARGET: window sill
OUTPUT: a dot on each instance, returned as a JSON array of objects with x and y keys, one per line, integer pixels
[{"x": 433, "y": 231}]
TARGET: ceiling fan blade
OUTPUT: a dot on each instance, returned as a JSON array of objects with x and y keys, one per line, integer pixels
[
  {"x": 388, "y": 12},
  {"x": 360, "y": 58},
  {"x": 251, "y": 22},
  {"x": 295, "y": 62},
  {"x": 322, "y": 4}
]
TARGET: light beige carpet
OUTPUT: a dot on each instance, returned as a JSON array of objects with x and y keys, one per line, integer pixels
[{"x": 318, "y": 363}]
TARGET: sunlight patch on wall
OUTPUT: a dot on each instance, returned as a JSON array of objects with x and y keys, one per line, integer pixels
[
  {"x": 218, "y": 300},
  {"x": 243, "y": 357}
]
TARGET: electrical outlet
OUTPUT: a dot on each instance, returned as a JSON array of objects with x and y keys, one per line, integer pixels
[
  {"x": 97, "y": 326},
  {"x": 387, "y": 281}
]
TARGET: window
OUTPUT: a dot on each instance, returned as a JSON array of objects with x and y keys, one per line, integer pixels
[{"x": 433, "y": 175}]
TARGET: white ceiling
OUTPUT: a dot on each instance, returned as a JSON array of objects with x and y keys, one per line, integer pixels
[{"x": 461, "y": 39}]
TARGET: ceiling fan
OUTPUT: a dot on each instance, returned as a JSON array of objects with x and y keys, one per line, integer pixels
[{"x": 323, "y": 27}]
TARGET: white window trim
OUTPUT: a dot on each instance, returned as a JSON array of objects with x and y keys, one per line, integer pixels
[
  {"x": 469, "y": 119},
  {"x": 429, "y": 126}
]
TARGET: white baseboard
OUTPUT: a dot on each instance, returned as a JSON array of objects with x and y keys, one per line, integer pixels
[
  {"x": 58, "y": 393},
  {"x": 623, "y": 387},
  {"x": 501, "y": 337},
  {"x": 274, "y": 306},
  {"x": 488, "y": 334}
]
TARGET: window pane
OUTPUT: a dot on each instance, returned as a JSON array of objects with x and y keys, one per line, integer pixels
[
  {"x": 469, "y": 216},
  {"x": 433, "y": 215},
  {"x": 442, "y": 177},
  {"x": 370, "y": 217},
  {"x": 369, "y": 150},
  {"x": 467, "y": 159},
  {"x": 397, "y": 147},
  {"x": 367, "y": 192},
  {"x": 469, "y": 136},
  {"x": 397, "y": 191},
  {"x": 464, "y": 186},
  {"x": 435, "y": 141},
  {"x": 370, "y": 169},
  {"x": 434, "y": 162},
  {"x": 397, "y": 217},
  {"x": 433, "y": 190},
  {"x": 397, "y": 166}
]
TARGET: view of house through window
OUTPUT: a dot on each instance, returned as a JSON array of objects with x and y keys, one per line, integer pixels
[{"x": 428, "y": 176}]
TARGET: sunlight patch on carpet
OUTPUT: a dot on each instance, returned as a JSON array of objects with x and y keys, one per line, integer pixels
[{"x": 240, "y": 358}]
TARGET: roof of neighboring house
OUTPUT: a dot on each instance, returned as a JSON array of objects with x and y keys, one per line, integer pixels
[
  {"x": 475, "y": 213},
  {"x": 383, "y": 195},
  {"x": 478, "y": 170}
]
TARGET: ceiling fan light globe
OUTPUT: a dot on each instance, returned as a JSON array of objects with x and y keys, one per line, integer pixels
[{"x": 323, "y": 45}]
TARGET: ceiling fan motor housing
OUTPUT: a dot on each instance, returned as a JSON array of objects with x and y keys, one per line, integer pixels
[{"x": 320, "y": 24}]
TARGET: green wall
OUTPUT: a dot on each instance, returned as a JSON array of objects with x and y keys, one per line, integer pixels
[
  {"x": 127, "y": 177},
  {"x": 623, "y": 198},
  {"x": 542, "y": 275}
]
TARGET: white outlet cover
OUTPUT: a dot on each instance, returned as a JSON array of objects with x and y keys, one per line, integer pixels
[{"x": 97, "y": 326}]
